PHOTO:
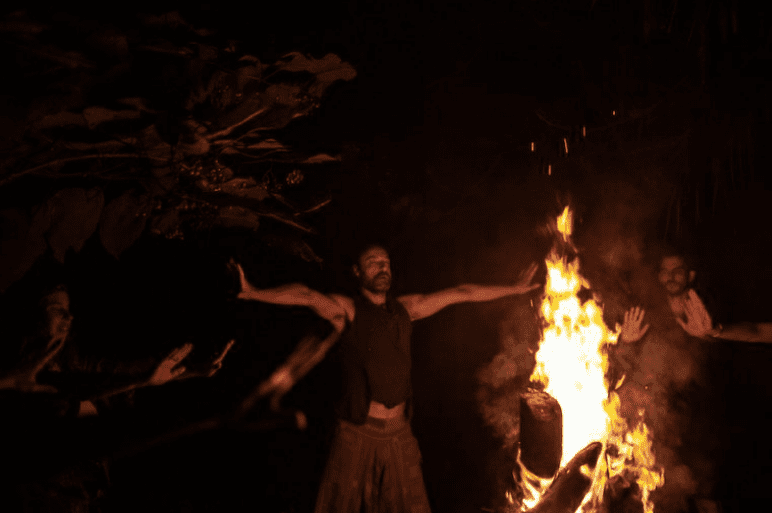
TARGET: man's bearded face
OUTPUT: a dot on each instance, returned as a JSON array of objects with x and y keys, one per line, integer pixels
[
  {"x": 674, "y": 276},
  {"x": 374, "y": 270}
]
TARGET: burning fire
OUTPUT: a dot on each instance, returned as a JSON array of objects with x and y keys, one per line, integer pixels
[{"x": 571, "y": 365}]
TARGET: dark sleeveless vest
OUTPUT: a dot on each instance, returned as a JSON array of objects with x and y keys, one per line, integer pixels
[{"x": 375, "y": 356}]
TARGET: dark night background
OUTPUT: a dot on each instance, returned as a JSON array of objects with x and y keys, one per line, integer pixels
[{"x": 436, "y": 132}]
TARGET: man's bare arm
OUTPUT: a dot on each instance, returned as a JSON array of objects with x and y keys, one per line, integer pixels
[
  {"x": 420, "y": 306},
  {"x": 745, "y": 332},
  {"x": 297, "y": 294}
]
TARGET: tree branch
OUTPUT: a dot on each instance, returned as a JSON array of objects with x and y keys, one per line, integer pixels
[
  {"x": 56, "y": 162},
  {"x": 228, "y": 130},
  {"x": 315, "y": 207},
  {"x": 284, "y": 220}
]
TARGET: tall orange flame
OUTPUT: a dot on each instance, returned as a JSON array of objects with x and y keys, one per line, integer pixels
[{"x": 571, "y": 364}]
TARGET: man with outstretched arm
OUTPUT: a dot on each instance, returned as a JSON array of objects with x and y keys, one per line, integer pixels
[
  {"x": 676, "y": 277},
  {"x": 375, "y": 462},
  {"x": 696, "y": 402}
]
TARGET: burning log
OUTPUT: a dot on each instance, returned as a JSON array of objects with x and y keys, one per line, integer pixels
[
  {"x": 541, "y": 433},
  {"x": 622, "y": 494},
  {"x": 571, "y": 485}
]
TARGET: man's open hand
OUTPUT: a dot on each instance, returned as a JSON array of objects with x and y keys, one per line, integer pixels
[
  {"x": 698, "y": 322},
  {"x": 214, "y": 366},
  {"x": 24, "y": 377},
  {"x": 631, "y": 328},
  {"x": 168, "y": 369}
]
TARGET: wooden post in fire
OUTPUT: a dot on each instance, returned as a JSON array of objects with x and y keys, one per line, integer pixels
[
  {"x": 570, "y": 486},
  {"x": 541, "y": 432}
]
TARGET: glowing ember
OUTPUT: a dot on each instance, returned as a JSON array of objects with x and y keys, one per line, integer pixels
[{"x": 571, "y": 364}]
